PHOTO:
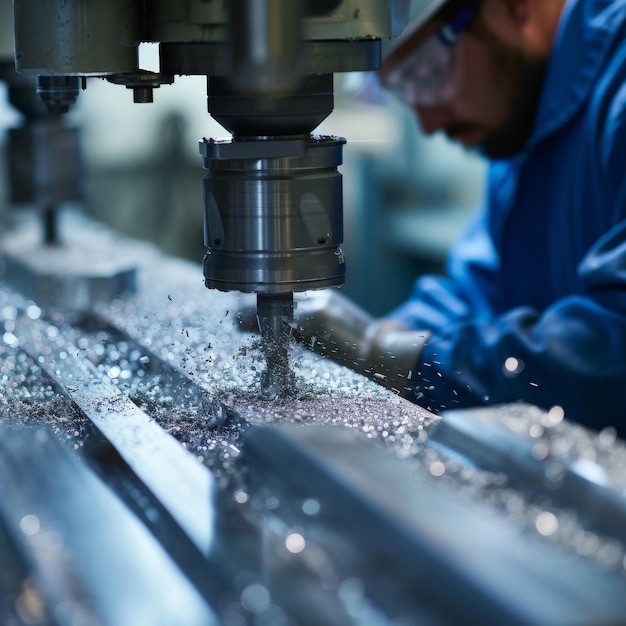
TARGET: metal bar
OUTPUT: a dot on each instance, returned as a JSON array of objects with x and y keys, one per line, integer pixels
[
  {"x": 183, "y": 486},
  {"x": 493, "y": 446},
  {"x": 91, "y": 559},
  {"x": 464, "y": 564}
]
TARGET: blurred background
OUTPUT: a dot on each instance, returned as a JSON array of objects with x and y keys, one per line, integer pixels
[{"x": 406, "y": 196}]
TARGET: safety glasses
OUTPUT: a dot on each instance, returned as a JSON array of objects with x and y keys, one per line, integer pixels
[{"x": 431, "y": 74}]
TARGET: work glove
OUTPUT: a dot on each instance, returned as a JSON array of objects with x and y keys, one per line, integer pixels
[{"x": 332, "y": 325}]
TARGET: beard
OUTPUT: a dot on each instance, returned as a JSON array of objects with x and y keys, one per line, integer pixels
[
  {"x": 511, "y": 137},
  {"x": 521, "y": 79}
]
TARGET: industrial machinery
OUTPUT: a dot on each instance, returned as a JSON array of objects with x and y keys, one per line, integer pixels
[
  {"x": 45, "y": 173},
  {"x": 272, "y": 193},
  {"x": 43, "y": 153},
  {"x": 44, "y": 166}
]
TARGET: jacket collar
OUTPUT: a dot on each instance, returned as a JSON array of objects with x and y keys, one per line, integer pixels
[{"x": 587, "y": 32}]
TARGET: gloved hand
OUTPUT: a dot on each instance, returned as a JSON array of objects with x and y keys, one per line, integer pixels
[{"x": 332, "y": 325}]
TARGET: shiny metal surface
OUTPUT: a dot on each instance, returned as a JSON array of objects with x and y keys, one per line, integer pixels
[
  {"x": 275, "y": 318},
  {"x": 48, "y": 500},
  {"x": 69, "y": 273},
  {"x": 119, "y": 420},
  {"x": 439, "y": 543},
  {"x": 273, "y": 224},
  {"x": 265, "y": 57},
  {"x": 341, "y": 499}
]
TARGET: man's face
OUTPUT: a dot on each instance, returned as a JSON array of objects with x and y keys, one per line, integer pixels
[{"x": 496, "y": 102}]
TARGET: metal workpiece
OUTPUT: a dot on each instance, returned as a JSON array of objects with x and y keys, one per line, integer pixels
[
  {"x": 185, "y": 490},
  {"x": 339, "y": 499},
  {"x": 65, "y": 272},
  {"x": 56, "y": 37},
  {"x": 273, "y": 224},
  {"x": 163, "y": 485},
  {"x": 77, "y": 535},
  {"x": 460, "y": 564},
  {"x": 541, "y": 454}
]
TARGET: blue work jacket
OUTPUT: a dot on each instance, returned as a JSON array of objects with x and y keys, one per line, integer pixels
[{"x": 533, "y": 304}]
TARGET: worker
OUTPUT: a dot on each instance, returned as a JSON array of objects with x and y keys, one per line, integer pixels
[{"x": 533, "y": 304}]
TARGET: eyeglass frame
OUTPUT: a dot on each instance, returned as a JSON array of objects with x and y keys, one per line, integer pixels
[{"x": 447, "y": 36}]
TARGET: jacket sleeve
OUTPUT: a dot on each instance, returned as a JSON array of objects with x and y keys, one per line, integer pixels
[
  {"x": 572, "y": 354},
  {"x": 467, "y": 290}
]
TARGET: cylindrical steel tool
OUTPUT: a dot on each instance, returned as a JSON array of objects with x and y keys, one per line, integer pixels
[{"x": 275, "y": 316}]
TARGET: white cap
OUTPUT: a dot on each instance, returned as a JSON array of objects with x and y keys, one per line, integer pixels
[{"x": 420, "y": 12}]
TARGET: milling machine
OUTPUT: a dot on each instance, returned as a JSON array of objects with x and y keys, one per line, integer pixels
[
  {"x": 272, "y": 193},
  {"x": 45, "y": 173},
  {"x": 44, "y": 164}
]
